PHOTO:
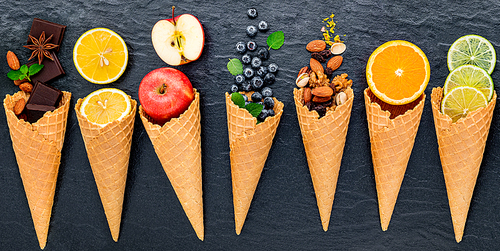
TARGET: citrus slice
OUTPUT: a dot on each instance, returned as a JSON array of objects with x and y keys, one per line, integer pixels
[
  {"x": 461, "y": 100},
  {"x": 474, "y": 50},
  {"x": 397, "y": 72},
  {"x": 105, "y": 106},
  {"x": 470, "y": 75},
  {"x": 100, "y": 56}
]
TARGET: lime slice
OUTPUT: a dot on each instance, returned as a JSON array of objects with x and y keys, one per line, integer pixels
[
  {"x": 462, "y": 100},
  {"x": 470, "y": 75},
  {"x": 106, "y": 105},
  {"x": 472, "y": 49}
]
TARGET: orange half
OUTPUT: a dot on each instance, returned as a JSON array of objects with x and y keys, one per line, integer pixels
[{"x": 397, "y": 72}]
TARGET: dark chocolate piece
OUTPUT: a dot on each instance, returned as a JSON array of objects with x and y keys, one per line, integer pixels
[
  {"x": 56, "y": 30},
  {"x": 35, "y": 112},
  {"x": 51, "y": 69},
  {"x": 43, "y": 94}
]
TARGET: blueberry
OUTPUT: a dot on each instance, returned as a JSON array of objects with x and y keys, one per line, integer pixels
[
  {"x": 257, "y": 82},
  {"x": 246, "y": 59},
  {"x": 263, "y": 115},
  {"x": 261, "y": 103},
  {"x": 252, "y": 13},
  {"x": 267, "y": 92},
  {"x": 263, "y": 53},
  {"x": 262, "y": 71},
  {"x": 240, "y": 47},
  {"x": 239, "y": 79},
  {"x": 251, "y": 31},
  {"x": 270, "y": 112},
  {"x": 248, "y": 72},
  {"x": 245, "y": 97},
  {"x": 256, "y": 62},
  {"x": 251, "y": 45},
  {"x": 246, "y": 87},
  {"x": 247, "y": 102},
  {"x": 256, "y": 97},
  {"x": 269, "y": 78},
  {"x": 234, "y": 88},
  {"x": 273, "y": 68},
  {"x": 263, "y": 26},
  {"x": 269, "y": 102}
]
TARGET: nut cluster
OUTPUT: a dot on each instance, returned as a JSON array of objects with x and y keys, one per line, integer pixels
[{"x": 23, "y": 84}]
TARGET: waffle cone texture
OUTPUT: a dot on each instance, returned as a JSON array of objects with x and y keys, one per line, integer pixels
[
  {"x": 108, "y": 151},
  {"x": 391, "y": 145},
  {"x": 38, "y": 148},
  {"x": 250, "y": 144},
  {"x": 324, "y": 140},
  {"x": 461, "y": 148},
  {"x": 178, "y": 146}
]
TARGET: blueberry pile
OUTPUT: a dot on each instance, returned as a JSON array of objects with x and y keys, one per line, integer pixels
[{"x": 257, "y": 75}]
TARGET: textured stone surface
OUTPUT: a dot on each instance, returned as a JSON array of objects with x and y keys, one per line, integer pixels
[{"x": 283, "y": 214}]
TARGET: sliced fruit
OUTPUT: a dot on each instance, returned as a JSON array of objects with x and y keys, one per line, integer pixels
[
  {"x": 105, "y": 106},
  {"x": 474, "y": 50},
  {"x": 461, "y": 100},
  {"x": 100, "y": 56},
  {"x": 470, "y": 75},
  {"x": 397, "y": 72}
]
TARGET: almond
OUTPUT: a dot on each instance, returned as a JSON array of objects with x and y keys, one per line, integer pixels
[
  {"x": 316, "y": 46},
  {"x": 13, "y": 61},
  {"x": 316, "y": 66},
  {"x": 335, "y": 62},
  {"x": 317, "y": 99},
  {"x": 19, "y": 106},
  {"x": 18, "y": 82},
  {"x": 307, "y": 95},
  {"x": 303, "y": 70},
  {"x": 26, "y": 87},
  {"x": 323, "y": 91}
]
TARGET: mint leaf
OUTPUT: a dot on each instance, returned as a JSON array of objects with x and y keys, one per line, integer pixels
[
  {"x": 276, "y": 40},
  {"x": 14, "y": 75},
  {"x": 235, "y": 66},
  {"x": 254, "y": 109},
  {"x": 34, "y": 69},
  {"x": 24, "y": 69},
  {"x": 238, "y": 99}
]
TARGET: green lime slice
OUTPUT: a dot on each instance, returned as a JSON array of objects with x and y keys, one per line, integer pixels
[
  {"x": 470, "y": 75},
  {"x": 472, "y": 49},
  {"x": 462, "y": 100}
]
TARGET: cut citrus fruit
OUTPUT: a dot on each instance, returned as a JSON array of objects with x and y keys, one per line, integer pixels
[
  {"x": 472, "y": 49},
  {"x": 397, "y": 72},
  {"x": 100, "y": 56},
  {"x": 470, "y": 75},
  {"x": 105, "y": 106},
  {"x": 461, "y": 100}
]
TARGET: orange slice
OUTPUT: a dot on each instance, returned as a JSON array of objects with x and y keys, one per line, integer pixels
[{"x": 397, "y": 72}]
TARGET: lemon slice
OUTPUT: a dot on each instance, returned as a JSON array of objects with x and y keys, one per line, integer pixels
[
  {"x": 100, "y": 56},
  {"x": 472, "y": 49},
  {"x": 106, "y": 105},
  {"x": 470, "y": 75},
  {"x": 462, "y": 100}
]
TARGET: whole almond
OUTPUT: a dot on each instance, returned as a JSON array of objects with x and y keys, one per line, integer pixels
[
  {"x": 316, "y": 66},
  {"x": 335, "y": 62},
  {"x": 26, "y": 87},
  {"x": 19, "y": 106},
  {"x": 316, "y": 46},
  {"x": 317, "y": 99},
  {"x": 323, "y": 91},
  {"x": 18, "y": 82},
  {"x": 303, "y": 70},
  {"x": 307, "y": 95},
  {"x": 13, "y": 61}
]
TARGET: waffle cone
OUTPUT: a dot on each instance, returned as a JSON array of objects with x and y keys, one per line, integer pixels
[
  {"x": 324, "y": 141},
  {"x": 391, "y": 145},
  {"x": 250, "y": 144},
  {"x": 108, "y": 150},
  {"x": 178, "y": 146},
  {"x": 461, "y": 148},
  {"x": 38, "y": 148}
]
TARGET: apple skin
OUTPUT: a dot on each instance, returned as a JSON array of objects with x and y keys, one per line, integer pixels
[{"x": 177, "y": 94}]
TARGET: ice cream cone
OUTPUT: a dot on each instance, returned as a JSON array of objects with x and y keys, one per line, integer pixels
[
  {"x": 38, "y": 148},
  {"x": 392, "y": 139},
  {"x": 324, "y": 141},
  {"x": 461, "y": 148},
  {"x": 108, "y": 150},
  {"x": 178, "y": 146},
  {"x": 250, "y": 144}
]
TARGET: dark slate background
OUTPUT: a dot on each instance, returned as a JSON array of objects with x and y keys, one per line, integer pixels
[{"x": 283, "y": 214}]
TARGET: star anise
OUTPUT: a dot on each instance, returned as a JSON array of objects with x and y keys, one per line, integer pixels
[{"x": 40, "y": 47}]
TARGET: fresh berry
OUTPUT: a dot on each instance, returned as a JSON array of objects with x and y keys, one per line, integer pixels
[
  {"x": 257, "y": 82},
  {"x": 273, "y": 68},
  {"x": 256, "y": 97},
  {"x": 261, "y": 103},
  {"x": 267, "y": 92},
  {"x": 252, "y": 13},
  {"x": 263, "y": 26},
  {"x": 270, "y": 112},
  {"x": 239, "y": 79},
  {"x": 269, "y": 78},
  {"x": 240, "y": 47},
  {"x": 234, "y": 88},
  {"x": 251, "y": 31},
  {"x": 246, "y": 59},
  {"x": 248, "y": 72},
  {"x": 246, "y": 87},
  {"x": 251, "y": 45},
  {"x": 245, "y": 97},
  {"x": 263, "y": 115},
  {"x": 269, "y": 102},
  {"x": 262, "y": 71},
  {"x": 256, "y": 62},
  {"x": 263, "y": 53}
]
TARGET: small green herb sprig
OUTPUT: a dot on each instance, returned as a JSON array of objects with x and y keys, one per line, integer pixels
[
  {"x": 252, "y": 108},
  {"x": 24, "y": 72}
]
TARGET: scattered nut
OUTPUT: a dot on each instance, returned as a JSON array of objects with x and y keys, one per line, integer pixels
[
  {"x": 335, "y": 62},
  {"x": 302, "y": 80},
  {"x": 317, "y": 99},
  {"x": 316, "y": 66},
  {"x": 19, "y": 106},
  {"x": 303, "y": 70},
  {"x": 26, "y": 87},
  {"x": 340, "y": 98},
  {"x": 316, "y": 46},
  {"x": 307, "y": 95},
  {"x": 13, "y": 61},
  {"x": 323, "y": 91},
  {"x": 18, "y": 82},
  {"x": 338, "y": 48}
]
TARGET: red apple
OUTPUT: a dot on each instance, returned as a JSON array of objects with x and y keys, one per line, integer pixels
[
  {"x": 178, "y": 40},
  {"x": 165, "y": 93}
]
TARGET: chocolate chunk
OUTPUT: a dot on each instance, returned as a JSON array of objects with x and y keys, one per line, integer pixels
[
  {"x": 56, "y": 30},
  {"x": 43, "y": 94},
  {"x": 51, "y": 69},
  {"x": 35, "y": 112}
]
